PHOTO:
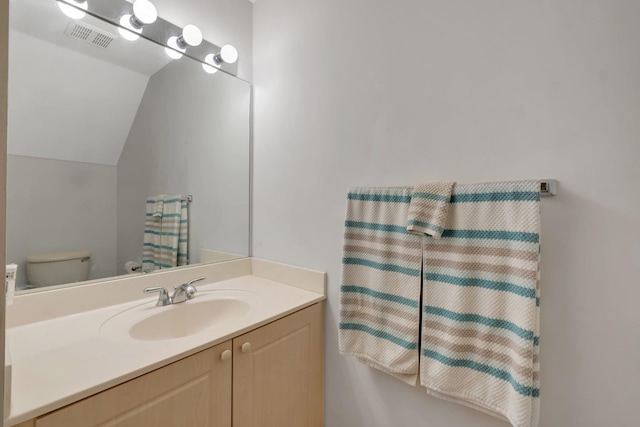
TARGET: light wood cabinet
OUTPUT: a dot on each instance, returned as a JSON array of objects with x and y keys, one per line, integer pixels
[
  {"x": 193, "y": 392},
  {"x": 278, "y": 371},
  {"x": 274, "y": 374}
]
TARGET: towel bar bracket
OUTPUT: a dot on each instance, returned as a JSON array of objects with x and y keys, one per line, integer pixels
[{"x": 548, "y": 187}]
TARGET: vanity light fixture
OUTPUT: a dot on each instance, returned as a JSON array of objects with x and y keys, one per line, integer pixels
[
  {"x": 228, "y": 54},
  {"x": 77, "y": 12},
  {"x": 191, "y": 36},
  {"x": 173, "y": 51},
  {"x": 210, "y": 65},
  {"x": 144, "y": 13}
]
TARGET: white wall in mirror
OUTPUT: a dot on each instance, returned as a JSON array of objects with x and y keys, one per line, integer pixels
[
  {"x": 78, "y": 197},
  {"x": 81, "y": 96},
  {"x": 194, "y": 144},
  {"x": 67, "y": 127},
  {"x": 71, "y": 111}
]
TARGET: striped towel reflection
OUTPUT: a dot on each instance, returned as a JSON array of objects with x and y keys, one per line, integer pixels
[
  {"x": 480, "y": 326},
  {"x": 380, "y": 292},
  {"x": 166, "y": 233}
]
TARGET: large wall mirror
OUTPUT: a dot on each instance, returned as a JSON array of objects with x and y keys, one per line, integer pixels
[{"x": 100, "y": 126}]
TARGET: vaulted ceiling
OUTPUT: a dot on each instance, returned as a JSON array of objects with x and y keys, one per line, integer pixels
[{"x": 70, "y": 99}]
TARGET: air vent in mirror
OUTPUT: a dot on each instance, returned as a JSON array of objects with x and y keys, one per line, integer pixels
[{"x": 89, "y": 34}]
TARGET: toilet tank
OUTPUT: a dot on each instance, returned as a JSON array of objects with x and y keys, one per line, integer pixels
[{"x": 55, "y": 268}]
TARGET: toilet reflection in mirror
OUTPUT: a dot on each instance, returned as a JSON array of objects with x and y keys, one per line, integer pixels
[
  {"x": 55, "y": 268},
  {"x": 97, "y": 128}
]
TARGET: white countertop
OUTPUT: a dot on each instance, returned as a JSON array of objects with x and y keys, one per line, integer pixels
[{"x": 61, "y": 360}]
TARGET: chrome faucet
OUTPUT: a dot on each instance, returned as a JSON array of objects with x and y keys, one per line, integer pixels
[{"x": 181, "y": 293}]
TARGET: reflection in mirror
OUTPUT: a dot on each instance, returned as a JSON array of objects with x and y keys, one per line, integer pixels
[{"x": 97, "y": 126}]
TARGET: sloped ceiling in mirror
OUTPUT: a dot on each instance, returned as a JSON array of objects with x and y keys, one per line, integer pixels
[{"x": 63, "y": 95}]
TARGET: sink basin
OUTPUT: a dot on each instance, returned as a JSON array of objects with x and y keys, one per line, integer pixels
[
  {"x": 188, "y": 318},
  {"x": 209, "y": 309}
]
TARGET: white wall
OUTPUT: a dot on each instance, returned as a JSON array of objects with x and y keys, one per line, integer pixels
[
  {"x": 381, "y": 93},
  {"x": 55, "y": 205}
]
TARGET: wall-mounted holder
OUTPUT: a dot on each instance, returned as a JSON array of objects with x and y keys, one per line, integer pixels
[{"x": 548, "y": 187}]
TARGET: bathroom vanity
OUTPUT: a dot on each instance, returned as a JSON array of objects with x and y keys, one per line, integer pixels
[{"x": 258, "y": 363}]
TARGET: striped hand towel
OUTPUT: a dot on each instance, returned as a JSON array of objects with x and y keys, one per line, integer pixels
[
  {"x": 380, "y": 292},
  {"x": 429, "y": 207},
  {"x": 480, "y": 327},
  {"x": 152, "y": 235},
  {"x": 158, "y": 207},
  {"x": 175, "y": 231},
  {"x": 165, "y": 235}
]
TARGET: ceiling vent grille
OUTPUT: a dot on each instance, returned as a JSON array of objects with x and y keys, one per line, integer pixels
[{"x": 89, "y": 34}]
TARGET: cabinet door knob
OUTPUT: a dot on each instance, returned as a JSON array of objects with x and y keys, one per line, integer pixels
[
  {"x": 226, "y": 355},
  {"x": 246, "y": 347}
]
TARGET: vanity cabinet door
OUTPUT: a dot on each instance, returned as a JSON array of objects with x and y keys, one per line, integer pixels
[
  {"x": 278, "y": 372},
  {"x": 192, "y": 392}
]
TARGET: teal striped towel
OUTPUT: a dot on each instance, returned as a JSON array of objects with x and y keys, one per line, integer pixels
[
  {"x": 166, "y": 233},
  {"x": 429, "y": 207},
  {"x": 380, "y": 292},
  {"x": 481, "y": 302}
]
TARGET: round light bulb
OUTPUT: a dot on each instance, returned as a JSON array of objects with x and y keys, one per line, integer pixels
[
  {"x": 128, "y": 32},
  {"x": 173, "y": 44},
  {"x": 192, "y": 35},
  {"x": 73, "y": 12},
  {"x": 145, "y": 11},
  {"x": 210, "y": 67},
  {"x": 229, "y": 54}
]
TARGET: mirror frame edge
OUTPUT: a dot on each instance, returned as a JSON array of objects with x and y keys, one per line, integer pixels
[
  {"x": 4, "y": 84},
  {"x": 250, "y": 159}
]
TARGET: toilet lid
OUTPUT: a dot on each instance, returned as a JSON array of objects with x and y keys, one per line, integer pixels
[{"x": 58, "y": 256}]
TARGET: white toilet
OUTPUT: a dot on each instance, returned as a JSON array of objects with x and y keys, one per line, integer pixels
[{"x": 55, "y": 268}]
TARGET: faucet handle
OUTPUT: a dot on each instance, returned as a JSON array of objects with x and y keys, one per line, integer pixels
[
  {"x": 191, "y": 290},
  {"x": 163, "y": 298},
  {"x": 191, "y": 282}
]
